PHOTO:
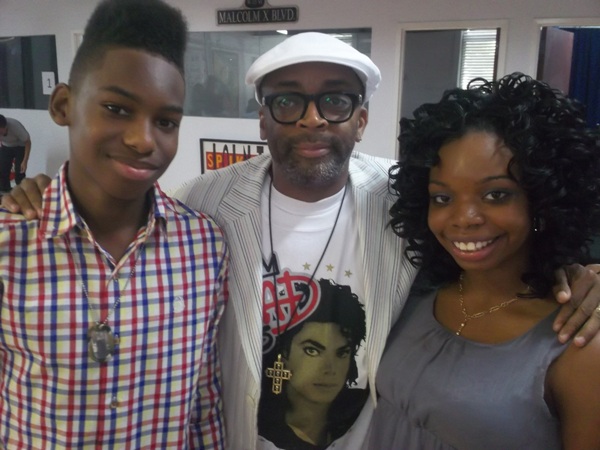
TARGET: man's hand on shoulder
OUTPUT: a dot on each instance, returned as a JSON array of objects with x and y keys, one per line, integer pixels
[
  {"x": 26, "y": 197},
  {"x": 578, "y": 289}
]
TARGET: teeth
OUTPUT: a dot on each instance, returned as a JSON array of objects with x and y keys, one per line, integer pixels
[{"x": 471, "y": 246}]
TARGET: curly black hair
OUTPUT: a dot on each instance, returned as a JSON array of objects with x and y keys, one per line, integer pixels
[
  {"x": 152, "y": 26},
  {"x": 558, "y": 161}
]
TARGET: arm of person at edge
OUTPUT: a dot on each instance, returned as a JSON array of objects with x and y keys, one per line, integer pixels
[
  {"x": 23, "y": 167},
  {"x": 573, "y": 391},
  {"x": 577, "y": 287}
]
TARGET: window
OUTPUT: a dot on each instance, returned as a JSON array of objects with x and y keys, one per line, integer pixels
[
  {"x": 28, "y": 69},
  {"x": 478, "y": 55}
]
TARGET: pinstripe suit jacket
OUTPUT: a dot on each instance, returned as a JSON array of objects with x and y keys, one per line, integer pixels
[{"x": 232, "y": 197}]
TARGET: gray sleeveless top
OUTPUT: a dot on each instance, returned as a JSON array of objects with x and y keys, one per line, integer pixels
[{"x": 441, "y": 391}]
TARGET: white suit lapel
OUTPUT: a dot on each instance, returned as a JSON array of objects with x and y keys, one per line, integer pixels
[
  {"x": 240, "y": 212},
  {"x": 378, "y": 245}
]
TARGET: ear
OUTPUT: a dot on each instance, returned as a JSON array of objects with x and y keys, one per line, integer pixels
[
  {"x": 363, "y": 119},
  {"x": 59, "y": 105}
]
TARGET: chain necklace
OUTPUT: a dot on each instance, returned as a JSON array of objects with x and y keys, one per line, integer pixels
[
  {"x": 278, "y": 372},
  {"x": 467, "y": 317},
  {"x": 102, "y": 342}
]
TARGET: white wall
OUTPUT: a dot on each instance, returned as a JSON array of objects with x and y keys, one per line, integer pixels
[{"x": 387, "y": 18}]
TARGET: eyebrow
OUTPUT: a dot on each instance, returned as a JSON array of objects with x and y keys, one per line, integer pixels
[
  {"x": 485, "y": 180},
  {"x": 321, "y": 346},
  {"x": 313, "y": 342},
  {"x": 136, "y": 98},
  {"x": 327, "y": 84}
]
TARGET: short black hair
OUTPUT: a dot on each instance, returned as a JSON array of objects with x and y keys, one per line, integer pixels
[
  {"x": 3, "y": 121},
  {"x": 554, "y": 153},
  {"x": 147, "y": 25}
]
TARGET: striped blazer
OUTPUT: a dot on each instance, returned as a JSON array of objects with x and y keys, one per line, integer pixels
[{"x": 232, "y": 197}]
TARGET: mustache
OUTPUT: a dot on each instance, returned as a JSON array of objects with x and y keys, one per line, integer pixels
[{"x": 331, "y": 141}]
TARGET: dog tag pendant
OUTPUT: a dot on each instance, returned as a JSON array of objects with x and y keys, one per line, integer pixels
[{"x": 101, "y": 342}]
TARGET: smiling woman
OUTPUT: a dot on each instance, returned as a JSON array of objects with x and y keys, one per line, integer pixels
[
  {"x": 470, "y": 187},
  {"x": 498, "y": 185}
]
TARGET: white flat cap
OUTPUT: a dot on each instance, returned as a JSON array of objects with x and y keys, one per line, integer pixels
[{"x": 315, "y": 47}]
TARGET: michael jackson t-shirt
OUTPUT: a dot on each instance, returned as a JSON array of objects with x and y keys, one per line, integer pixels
[{"x": 314, "y": 372}]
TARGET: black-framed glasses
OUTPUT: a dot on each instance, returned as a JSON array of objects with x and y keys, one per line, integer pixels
[{"x": 289, "y": 107}]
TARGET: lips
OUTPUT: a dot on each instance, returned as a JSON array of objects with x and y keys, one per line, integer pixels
[
  {"x": 312, "y": 150},
  {"x": 135, "y": 163},
  {"x": 312, "y": 145},
  {"x": 135, "y": 169}
]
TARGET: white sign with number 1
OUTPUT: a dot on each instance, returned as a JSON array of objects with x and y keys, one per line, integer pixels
[{"x": 48, "y": 82}]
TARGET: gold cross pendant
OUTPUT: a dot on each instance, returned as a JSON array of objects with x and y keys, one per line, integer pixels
[{"x": 278, "y": 373}]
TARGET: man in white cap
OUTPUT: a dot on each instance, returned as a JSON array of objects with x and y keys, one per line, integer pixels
[
  {"x": 309, "y": 218},
  {"x": 311, "y": 214},
  {"x": 310, "y": 210}
]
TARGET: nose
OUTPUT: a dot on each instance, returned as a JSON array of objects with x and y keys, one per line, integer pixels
[
  {"x": 139, "y": 136},
  {"x": 329, "y": 367},
  {"x": 467, "y": 214},
  {"x": 312, "y": 118}
]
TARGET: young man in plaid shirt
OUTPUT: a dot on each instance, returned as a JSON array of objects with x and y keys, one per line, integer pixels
[{"x": 110, "y": 302}]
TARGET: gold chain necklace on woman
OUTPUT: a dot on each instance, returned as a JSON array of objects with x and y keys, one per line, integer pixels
[{"x": 467, "y": 316}]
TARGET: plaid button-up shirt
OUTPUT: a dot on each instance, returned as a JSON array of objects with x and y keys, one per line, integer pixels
[{"x": 161, "y": 388}]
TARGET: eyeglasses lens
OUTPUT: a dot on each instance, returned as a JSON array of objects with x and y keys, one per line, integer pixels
[{"x": 333, "y": 107}]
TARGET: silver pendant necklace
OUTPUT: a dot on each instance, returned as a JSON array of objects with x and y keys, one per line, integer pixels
[
  {"x": 102, "y": 341},
  {"x": 278, "y": 373}
]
